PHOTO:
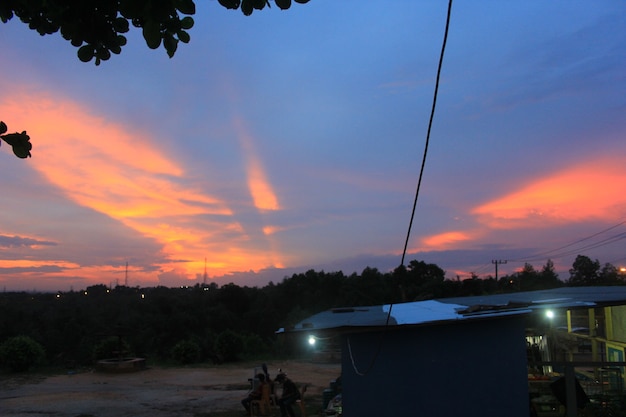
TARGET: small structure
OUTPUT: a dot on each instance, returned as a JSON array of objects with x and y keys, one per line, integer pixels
[
  {"x": 460, "y": 356},
  {"x": 121, "y": 365}
]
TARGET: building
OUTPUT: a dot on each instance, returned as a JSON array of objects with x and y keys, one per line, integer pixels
[{"x": 472, "y": 356}]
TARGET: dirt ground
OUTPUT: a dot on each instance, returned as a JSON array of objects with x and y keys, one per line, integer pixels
[{"x": 160, "y": 392}]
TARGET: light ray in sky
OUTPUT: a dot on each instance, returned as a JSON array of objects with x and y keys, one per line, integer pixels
[{"x": 260, "y": 188}]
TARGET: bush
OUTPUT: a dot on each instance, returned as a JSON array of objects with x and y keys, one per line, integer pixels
[
  {"x": 254, "y": 346},
  {"x": 111, "y": 347},
  {"x": 19, "y": 353},
  {"x": 186, "y": 352},
  {"x": 228, "y": 345}
]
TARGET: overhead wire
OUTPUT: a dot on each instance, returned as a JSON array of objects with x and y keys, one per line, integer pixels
[
  {"x": 417, "y": 191},
  {"x": 482, "y": 268},
  {"x": 560, "y": 252},
  {"x": 604, "y": 242},
  {"x": 552, "y": 252}
]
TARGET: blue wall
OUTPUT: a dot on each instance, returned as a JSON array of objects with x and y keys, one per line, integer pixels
[{"x": 464, "y": 369}]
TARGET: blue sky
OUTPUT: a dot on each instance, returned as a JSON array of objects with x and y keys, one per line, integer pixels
[{"x": 292, "y": 140}]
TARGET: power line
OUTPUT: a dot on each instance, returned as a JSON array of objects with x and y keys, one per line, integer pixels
[
  {"x": 419, "y": 182},
  {"x": 605, "y": 242},
  {"x": 559, "y": 253},
  {"x": 481, "y": 269}
]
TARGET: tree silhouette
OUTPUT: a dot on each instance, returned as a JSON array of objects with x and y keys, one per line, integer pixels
[
  {"x": 548, "y": 275},
  {"x": 609, "y": 275},
  {"x": 231, "y": 322},
  {"x": 584, "y": 271},
  {"x": 96, "y": 27},
  {"x": 20, "y": 142}
]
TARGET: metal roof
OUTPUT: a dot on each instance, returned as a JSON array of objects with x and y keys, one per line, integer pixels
[
  {"x": 461, "y": 308},
  {"x": 563, "y": 296}
]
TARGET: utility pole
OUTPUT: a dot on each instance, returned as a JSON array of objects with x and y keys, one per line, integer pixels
[
  {"x": 205, "y": 276},
  {"x": 496, "y": 263}
]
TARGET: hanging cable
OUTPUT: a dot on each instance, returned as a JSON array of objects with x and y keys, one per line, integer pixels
[
  {"x": 430, "y": 124},
  {"x": 419, "y": 182}
]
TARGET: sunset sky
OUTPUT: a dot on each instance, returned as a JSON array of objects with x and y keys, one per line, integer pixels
[{"x": 292, "y": 140}]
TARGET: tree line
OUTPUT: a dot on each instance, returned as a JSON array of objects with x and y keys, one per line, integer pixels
[{"x": 212, "y": 323}]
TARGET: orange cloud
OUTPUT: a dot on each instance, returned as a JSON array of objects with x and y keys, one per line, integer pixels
[
  {"x": 582, "y": 192},
  {"x": 445, "y": 240},
  {"x": 270, "y": 230},
  {"x": 114, "y": 170},
  {"x": 25, "y": 263}
]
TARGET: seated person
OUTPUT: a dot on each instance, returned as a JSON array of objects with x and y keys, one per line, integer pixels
[
  {"x": 255, "y": 394},
  {"x": 290, "y": 395}
]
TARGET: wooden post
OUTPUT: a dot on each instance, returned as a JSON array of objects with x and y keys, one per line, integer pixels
[{"x": 570, "y": 391}]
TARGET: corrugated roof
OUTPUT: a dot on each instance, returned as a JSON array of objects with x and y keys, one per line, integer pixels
[
  {"x": 462, "y": 308},
  {"x": 557, "y": 296}
]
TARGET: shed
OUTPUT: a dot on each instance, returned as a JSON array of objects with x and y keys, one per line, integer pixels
[{"x": 463, "y": 356}]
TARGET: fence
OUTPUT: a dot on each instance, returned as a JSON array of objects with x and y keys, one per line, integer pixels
[{"x": 580, "y": 387}]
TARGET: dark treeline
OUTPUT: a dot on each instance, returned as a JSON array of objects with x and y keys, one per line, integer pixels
[{"x": 211, "y": 323}]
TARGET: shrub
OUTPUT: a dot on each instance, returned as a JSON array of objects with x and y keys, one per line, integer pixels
[
  {"x": 228, "y": 345},
  {"x": 255, "y": 346},
  {"x": 111, "y": 347},
  {"x": 19, "y": 353},
  {"x": 186, "y": 352}
]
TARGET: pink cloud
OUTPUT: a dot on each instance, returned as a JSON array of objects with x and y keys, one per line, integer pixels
[
  {"x": 119, "y": 172},
  {"x": 591, "y": 190}
]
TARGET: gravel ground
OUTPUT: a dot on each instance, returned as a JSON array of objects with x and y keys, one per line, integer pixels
[{"x": 160, "y": 392}]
